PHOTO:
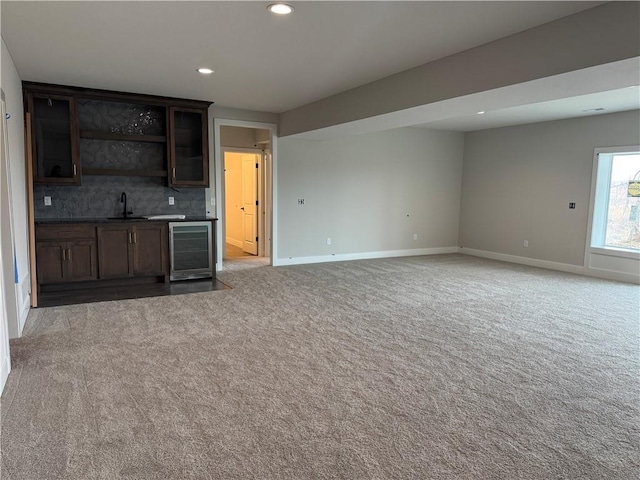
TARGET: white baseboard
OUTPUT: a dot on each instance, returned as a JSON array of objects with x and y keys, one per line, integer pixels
[
  {"x": 341, "y": 257},
  {"x": 24, "y": 302},
  {"x": 532, "y": 262},
  {"x": 234, "y": 242},
  {"x": 562, "y": 267},
  {"x": 4, "y": 371},
  {"x": 612, "y": 275}
]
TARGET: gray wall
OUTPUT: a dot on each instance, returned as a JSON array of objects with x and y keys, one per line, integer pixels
[
  {"x": 243, "y": 137},
  {"x": 369, "y": 193},
  {"x": 518, "y": 182}
]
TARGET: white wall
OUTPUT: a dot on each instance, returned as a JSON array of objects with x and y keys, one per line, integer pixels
[
  {"x": 368, "y": 193},
  {"x": 518, "y": 182},
  {"x": 12, "y": 87}
]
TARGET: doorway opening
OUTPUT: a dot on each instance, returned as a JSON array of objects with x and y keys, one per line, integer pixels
[
  {"x": 244, "y": 207},
  {"x": 244, "y": 197}
]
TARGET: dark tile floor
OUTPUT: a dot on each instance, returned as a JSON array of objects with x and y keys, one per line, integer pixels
[{"x": 103, "y": 294}]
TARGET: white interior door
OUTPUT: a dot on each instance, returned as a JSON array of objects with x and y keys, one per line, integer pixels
[{"x": 249, "y": 201}]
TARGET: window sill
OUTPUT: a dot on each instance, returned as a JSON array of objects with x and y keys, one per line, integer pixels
[{"x": 616, "y": 252}]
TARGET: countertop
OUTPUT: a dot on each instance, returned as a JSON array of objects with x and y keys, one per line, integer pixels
[{"x": 53, "y": 221}]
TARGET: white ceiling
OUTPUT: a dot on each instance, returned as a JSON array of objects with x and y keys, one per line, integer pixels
[
  {"x": 611, "y": 101},
  {"x": 261, "y": 62}
]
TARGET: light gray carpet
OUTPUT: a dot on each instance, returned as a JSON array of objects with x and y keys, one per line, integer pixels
[{"x": 444, "y": 367}]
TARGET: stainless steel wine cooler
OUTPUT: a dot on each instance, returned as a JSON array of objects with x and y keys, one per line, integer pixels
[{"x": 191, "y": 250}]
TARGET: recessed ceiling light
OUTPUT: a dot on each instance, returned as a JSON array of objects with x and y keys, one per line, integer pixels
[
  {"x": 280, "y": 8},
  {"x": 205, "y": 71},
  {"x": 481, "y": 112}
]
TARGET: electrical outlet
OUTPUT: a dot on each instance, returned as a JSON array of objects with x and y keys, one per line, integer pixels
[
  {"x": 328, "y": 241},
  {"x": 526, "y": 244},
  {"x": 47, "y": 201},
  {"x": 572, "y": 205},
  {"x": 415, "y": 236},
  {"x": 301, "y": 201},
  {"x": 213, "y": 202},
  {"x": 172, "y": 201}
]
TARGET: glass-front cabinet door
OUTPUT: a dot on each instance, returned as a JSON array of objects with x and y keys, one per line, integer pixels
[
  {"x": 55, "y": 140},
  {"x": 189, "y": 160}
]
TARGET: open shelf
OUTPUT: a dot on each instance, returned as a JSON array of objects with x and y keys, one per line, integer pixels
[
  {"x": 122, "y": 137},
  {"x": 124, "y": 172}
]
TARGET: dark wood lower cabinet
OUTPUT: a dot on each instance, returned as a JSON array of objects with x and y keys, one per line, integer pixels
[
  {"x": 72, "y": 261},
  {"x": 80, "y": 256},
  {"x": 81, "y": 260},
  {"x": 50, "y": 263},
  {"x": 114, "y": 252},
  {"x": 136, "y": 250},
  {"x": 150, "y": 250}
]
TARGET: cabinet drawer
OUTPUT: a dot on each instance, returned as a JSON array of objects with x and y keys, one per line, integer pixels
[{"x": 65, "y": 231}]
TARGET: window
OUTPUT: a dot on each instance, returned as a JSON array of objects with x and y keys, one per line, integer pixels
[{"x": 616, "y": 208}]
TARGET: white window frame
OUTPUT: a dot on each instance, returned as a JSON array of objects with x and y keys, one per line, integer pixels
[{"x": 596, "y": 253}]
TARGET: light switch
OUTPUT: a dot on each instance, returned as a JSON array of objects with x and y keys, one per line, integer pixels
[
  {"x": 172, "y": 201},
  {"x": 47, "y": 201}
]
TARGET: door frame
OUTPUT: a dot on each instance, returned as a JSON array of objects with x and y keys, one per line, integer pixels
[
  {"x": 216, "y": 177},
  {"x": 7, "y": 242},
  {"x": 262, "y": 200}
]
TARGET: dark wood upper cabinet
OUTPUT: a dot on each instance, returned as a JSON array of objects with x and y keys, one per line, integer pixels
[
  {"x": 188, "y": 147},
  {"x": 55, "y": 139},
  {"x": 61, "y": 116}
]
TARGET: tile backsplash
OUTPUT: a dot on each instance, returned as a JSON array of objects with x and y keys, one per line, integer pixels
[{"x": 99, "y": 197}]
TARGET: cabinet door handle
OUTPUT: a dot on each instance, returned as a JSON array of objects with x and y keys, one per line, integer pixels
[
  {"x": 64, "y": 254},
  {"x": 75, "y": 170},
  {"x": 173, "y": 172},
  {"x": 69, "y": 254},
  {"x": 130, "y": 238},
  {"x": 135, "y": 237}
]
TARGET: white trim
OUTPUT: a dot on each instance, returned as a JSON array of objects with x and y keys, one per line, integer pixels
[
  {"x": 625, "y": 149},
  {"x": 342, "y": 257},
  {"x": 616, "y": 252},
  {"x": 531, "y": 262},
  {"x": 612, "y": 275},
  {"x": 562, "y": 267},
  {"x": 596, "y": 217},
  {"x": 218, "y": 180},
  {"x": 4, "y": 372},
  {"x": 24, "y": 302}
]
